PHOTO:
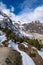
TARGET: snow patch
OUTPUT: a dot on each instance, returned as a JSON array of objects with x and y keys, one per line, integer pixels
[
  {"x": 25, "y": 44},
  {"x": 2, "y": 37},
  {"x": 39, "y": 52},
  {"x": 27, "y": 35}
]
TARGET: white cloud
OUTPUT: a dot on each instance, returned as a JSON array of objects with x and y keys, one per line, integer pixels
[
  {"x": 12, "y": 9},
  {"x": 29, "y": 14},
  {"x": 24, "y": 16},
  {"x": 27, "y": 4},
  {"x": 9, "y": 12},
  {"x": 36, "y": 14},
  {"x": 2, "y": 6}
]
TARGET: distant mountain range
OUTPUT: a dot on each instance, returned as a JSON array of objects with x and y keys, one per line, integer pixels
[
  {"x": 17, "y": 27},
  {"x": 34, "y": 26}
]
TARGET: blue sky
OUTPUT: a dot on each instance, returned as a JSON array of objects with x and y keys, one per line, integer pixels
[
  {"x": 23, "y": 10},
  {"x": 14, "y": 3},
  {"x": 20, "y": 5}
]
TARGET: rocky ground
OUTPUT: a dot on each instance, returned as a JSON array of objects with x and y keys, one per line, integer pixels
[
  {"x": 32, "y": 53},
  {"x": 9, "y": 57}
]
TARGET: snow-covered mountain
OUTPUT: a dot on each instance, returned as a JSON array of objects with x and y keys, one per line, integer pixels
[
  {"x": 6, "y": 22},
  {"x": 15, "y": 26}
]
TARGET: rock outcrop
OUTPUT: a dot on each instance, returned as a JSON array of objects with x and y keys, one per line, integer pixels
[{"x": 9, "y": 57}]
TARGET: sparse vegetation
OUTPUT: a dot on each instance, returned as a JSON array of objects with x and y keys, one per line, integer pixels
[
  {"x": 21, "y": 47},
  {"x": 32, "y": 54},
  {"x": 13, "y": 36},
  {"x": 34, "y": 43},
  {"x": 5, "y": 43}
]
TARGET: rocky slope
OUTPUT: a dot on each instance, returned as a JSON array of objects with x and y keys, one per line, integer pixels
[
  {"x": 9, "y": 57},
  {"x": 6, "y": 22}
]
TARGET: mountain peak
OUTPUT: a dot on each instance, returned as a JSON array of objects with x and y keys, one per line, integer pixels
[{"x": 36, "y": 21}]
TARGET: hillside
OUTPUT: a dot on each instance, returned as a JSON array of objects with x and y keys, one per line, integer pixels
[{"x": 18, "y": 46}]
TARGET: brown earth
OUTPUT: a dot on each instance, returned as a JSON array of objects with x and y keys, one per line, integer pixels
[{"x": 32, "y": 53}]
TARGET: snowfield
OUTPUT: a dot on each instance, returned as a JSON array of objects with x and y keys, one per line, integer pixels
[
  {"x": 2, "y": 37},
  {"x": 25, "y": 58},
  {"x": 30, "y": 36}
]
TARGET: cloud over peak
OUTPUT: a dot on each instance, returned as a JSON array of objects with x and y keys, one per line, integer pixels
[
  {"x": 34, "y": 14},
  {"x": 7, "y": 11},
  {"x": 26, "y": 15}
]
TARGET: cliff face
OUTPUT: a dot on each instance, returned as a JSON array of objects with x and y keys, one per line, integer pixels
[{"x": 6, "y": 22}]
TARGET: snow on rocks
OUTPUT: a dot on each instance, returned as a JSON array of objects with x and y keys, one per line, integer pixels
[
  {"x": 25, "y": 44},
  {"x": 2, "y": 37},
  {"x": 40, "y": 53},
  {"x": 30, "y": 36},
  {"x": 26, "y": 60}
]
